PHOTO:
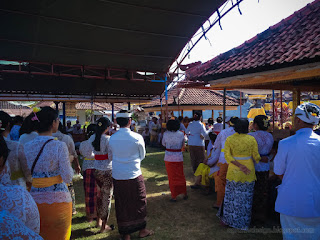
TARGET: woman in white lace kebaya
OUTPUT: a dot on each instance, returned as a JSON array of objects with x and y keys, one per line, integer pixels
[
  {"x": 12, "y": 227},
  {"x": 89, "y": 181},
  {"x": 16, "y": 159},
  {"x": 16, "y": 199},
  {"x": 48, "y": 161},
  {"x": 173, "y": 140},
  {"x": 265, "y": 143},
  {"x": 73, "y": 156},
  {"x": 103, "y": 170}
]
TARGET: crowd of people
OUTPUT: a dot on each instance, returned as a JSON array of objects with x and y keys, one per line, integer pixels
[{"x": 36, "y": 190}]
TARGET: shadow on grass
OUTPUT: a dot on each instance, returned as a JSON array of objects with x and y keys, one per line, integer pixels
[{"x": 192, "y": 219}]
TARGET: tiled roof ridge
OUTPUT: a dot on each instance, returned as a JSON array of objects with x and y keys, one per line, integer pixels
[{"x": 257, "y": 38}]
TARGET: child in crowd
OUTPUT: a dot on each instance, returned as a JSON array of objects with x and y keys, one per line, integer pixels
[{"x": 206, "y": 170}]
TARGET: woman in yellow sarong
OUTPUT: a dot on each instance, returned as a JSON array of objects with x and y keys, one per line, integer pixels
[
  {"x": 48, "y": 162},
  {"x": 206, "y": 170}
]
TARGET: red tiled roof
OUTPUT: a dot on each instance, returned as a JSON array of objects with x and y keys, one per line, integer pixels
[
  {"x": 194, "y": 96},
  {"x": 293, "y": 41}
]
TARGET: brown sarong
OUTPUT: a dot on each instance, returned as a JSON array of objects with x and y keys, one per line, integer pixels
[
  {"x": 104, "y": 181},
  {"x": 197, "y": 156},
  {"x": 131, "y": 204}
]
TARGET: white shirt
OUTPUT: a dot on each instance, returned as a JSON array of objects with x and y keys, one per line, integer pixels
[
  {"x": 182, "y": 127},
  {"x": 128, "y": 150},
  {"x": 86, "y": 151},
  {"x": 53, "y": 161},
  {"x": 221, "y": 140},
  {"x": 102, "y": 165},
  {"x": 265, "y": 144},
  {"x": 213, "y": 159},
  {"x": 18, "y": 163},
  {"x": 69, "y": 142},
  {"x": 27, "y": 137},
  {"x": 218, "y": 127},
  {"x": 298, "y": 158},
  {"x": 194, "y": 130},
  {"x": 173, "y": 140}
]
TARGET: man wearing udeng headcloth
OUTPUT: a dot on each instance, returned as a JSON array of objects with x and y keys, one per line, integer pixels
[
  {"x": 298, "y": 161},
  {"x": 128, "y": 150}
]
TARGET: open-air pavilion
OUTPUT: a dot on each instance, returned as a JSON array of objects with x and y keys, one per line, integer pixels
[{"x": 284, "y": 57}]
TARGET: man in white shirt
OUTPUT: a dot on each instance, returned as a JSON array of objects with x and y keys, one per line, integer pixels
[
  {"x": 298, "y": 161},
  {"x": 223, "y": 165},
  {"x": 196, "y": 133},
  {"x": 128, "y": 150}
]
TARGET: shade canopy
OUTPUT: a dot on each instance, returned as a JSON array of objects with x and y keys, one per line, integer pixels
[{"x": 126, "y": 34}]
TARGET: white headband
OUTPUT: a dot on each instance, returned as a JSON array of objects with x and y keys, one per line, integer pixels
[
  {"x": 123, "y": 115},
  {"x": 307, "y": 116}
]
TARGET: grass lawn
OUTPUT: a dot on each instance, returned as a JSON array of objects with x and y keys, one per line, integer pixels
[{"x": 193, "y": 219}]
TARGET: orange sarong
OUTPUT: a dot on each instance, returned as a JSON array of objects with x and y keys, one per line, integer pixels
[
  {"x": 55, "y": 220},
  {"x": 220, "y": 182},
  {"x": 177, "y": 180}
]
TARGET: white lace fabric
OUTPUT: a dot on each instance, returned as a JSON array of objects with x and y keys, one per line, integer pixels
[
  {"x": 53, "y": 161},
  {"x": 173, "y": 140},
  {"x": 69, "y": 142},
  {"x": 11, "y": 227},
  {"x": 265, "y": 143},
  {"x": 17, "y": 201},
  {"x": 104, "y": 149},
  {"x": 86, "y": 151},
  {"x": 18, "y": 162}
]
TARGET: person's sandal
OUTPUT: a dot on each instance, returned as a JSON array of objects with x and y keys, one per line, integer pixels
[
  {"x": 195, "y": 186},
  {"x": 173, "y": 200},
  {"x": 185, "y": 197}
]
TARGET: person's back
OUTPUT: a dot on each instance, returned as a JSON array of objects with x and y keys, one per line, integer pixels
[
  {"x": 11, "y": 227},
  {"x": 128, "y": 150},
  {"x": 194, "y": 132},
  {"x": 299, "y": 193}
]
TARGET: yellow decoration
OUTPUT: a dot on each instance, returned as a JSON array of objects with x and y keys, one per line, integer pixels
[
  {"x": 255, "y": 112},
  {"x": 16, "y": 175},
  {"x": 36, "y": 109}
]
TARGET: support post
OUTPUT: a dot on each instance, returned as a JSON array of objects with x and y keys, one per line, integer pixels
[
  {"x": 296, "y": 93},
  {"x": 57, "y": 107},
  {"x": 181, "y": 113},
  {"x": 224, "y": 107},
  {"x": 273, "y": 110},
  {"x": 112, "y": 112},
  {"x": 64, "y": 114},
  {"x": 212, "y": 114},
  {"x": 129, "y": 106},
  {"x": 240, "y": 104},
  {"x": 166, "y": 94},
  {"x": 281, "y": 109}
]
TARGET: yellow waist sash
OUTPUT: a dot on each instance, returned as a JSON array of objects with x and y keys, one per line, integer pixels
[
  {"x": 89, "y": 159},
  {"x": 46, "y": 182},
  {"x": 16, "y": 175}
]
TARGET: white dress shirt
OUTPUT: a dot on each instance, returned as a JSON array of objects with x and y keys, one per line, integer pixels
[
  {"x": 194, "y": 130},
  {"x": 128, "y": 150},
  {"x": 221, "y": 140},
  {"x": 298, "y": 158}
]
